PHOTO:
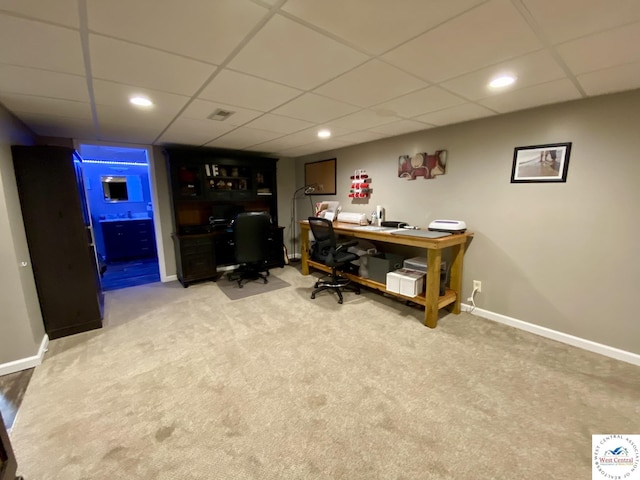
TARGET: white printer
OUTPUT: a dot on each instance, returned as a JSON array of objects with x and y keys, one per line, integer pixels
[{"x": 451, "y": 226}]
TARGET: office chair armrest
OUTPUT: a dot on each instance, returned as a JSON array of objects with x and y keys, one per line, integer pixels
[{"x": 346, "y": 244}]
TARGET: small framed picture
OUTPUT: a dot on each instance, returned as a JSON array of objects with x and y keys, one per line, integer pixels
[{"x": 541, "y": 163}]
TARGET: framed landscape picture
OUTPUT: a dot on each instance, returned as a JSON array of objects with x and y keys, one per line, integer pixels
[{"x": 541, "y": 163}]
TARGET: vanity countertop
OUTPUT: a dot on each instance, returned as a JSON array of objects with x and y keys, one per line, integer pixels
[{"x": 123, "y": 219}]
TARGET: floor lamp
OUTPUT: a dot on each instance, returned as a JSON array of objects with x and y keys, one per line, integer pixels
[{"x": 294, "y": 217}]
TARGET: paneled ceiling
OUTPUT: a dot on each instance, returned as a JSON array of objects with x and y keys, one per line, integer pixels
[{"x": 364, "y": 69}]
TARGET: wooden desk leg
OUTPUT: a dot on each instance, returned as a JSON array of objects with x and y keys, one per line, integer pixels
[
  {"x": 455, "y": 281},
  {"x": 304, "y": 251},
  {"x": 432, "y": 293}
]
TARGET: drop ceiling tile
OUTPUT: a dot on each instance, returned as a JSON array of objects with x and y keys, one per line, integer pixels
[
  {"x": 308, "y": 61},
  {"x": 64, "y": 12},
  {"x": 30, "y": 81},
  {"x": 243, "y": 137},
  {"x": 360, "y": 137},
  {"x": 423, "y": 101},
  {"x": 280, "y": 144},
  {"x": 531, "y": 69},
  {"x": 401, "y": 127},
  {"x": 278, "y": 124},
  {"x": 364, "y": 119},
  {"x": 246, "y": 91},
  {"x": 369, "y": 84},
  {"x": 204, "y": 30},
  {"x": 202, "y": 109},
  {"x": 190, "y": 131},
  {"x": 603, "y": 50},
  {"x": 40, "y": 45},
  {"x": 315, "y": 108},
  {"x": 118, "y": 94},
  {"x": 488, "y": 34},
  {"x": 309, "y": 135},
  {"x": 360, "y": 22},
  {"x": 140, "y": 134},
  {"x": 123, "y": 62},
  {"x": 457, "y": 114},
  {"x": 314, "y": 147},
  {"x": 299, "y": 151},
  {"x": 128, "y": 117},
  {"x": 610, "y": 80},
  {"x": 551, "y": 92},
  {"x": 569, "y": 19},
  {"x": 58, "y": 126},
  {"x": 33, "y": 104}
]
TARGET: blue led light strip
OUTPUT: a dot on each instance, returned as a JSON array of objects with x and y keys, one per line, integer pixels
[{"x": 107, "y": 162}]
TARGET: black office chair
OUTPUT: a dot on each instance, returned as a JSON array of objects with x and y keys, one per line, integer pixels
[
  {"x": 328, "y": 251},
  {"x": 251, "y": 234}
]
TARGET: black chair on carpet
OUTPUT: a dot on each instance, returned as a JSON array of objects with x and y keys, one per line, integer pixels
[
  {"x": 334, "y": 254},
  {"x": 251, "y": 234}
]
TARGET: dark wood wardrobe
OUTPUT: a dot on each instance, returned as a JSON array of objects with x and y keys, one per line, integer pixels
[{"x": 60, "y": 239}]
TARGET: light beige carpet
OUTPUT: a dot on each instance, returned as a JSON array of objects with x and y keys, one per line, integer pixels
[{"x": 187, "y": 384}]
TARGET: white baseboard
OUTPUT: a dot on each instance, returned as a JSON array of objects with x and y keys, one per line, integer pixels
[
  {"x": 169, "y": 278},
  {"x": 605, "y": 350},
  {"x": 26, "y": 363}
]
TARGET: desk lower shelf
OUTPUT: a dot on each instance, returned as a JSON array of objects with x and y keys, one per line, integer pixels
[{"x": 448, "y": 298}]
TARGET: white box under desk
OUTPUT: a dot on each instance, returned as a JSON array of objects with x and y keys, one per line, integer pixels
[{"x": 405, "y": 281}]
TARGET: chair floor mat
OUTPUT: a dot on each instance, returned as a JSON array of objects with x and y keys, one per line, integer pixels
[{"x": 251, "y": 287}]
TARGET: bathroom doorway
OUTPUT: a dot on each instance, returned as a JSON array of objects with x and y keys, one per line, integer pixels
[{"x": 118, "y": 188}]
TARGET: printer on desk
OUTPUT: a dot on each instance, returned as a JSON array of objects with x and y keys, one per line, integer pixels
[{"x": 451, "y": 226}]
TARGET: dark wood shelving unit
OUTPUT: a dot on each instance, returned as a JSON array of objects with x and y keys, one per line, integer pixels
[
  {"x": 60, "y": 239},
  {"x": 208, "y": 189}
]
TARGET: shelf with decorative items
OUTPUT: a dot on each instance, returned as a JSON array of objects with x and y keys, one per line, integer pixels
[
  {"x": 360, "y": 184},
  {"x": 228, "y": 182}
]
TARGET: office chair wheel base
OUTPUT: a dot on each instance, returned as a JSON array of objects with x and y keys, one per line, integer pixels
[
  {"x": 316, "y": 285},
  {"x": 313, "y": 296},
  {"x": 340, "y": 301},
  {"x": 265, "y": 280}
]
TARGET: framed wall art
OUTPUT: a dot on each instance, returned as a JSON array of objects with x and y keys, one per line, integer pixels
[
  {"x": 322, "y": 176},
  {"x": 541, "y": 163},
  {"x": 425, "y": 165}
]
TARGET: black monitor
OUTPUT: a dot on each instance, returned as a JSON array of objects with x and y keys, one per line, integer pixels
[{"x": 224, "y": 214}]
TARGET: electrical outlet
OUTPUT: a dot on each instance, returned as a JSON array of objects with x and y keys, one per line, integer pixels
[{"x": 477, "y": 286}]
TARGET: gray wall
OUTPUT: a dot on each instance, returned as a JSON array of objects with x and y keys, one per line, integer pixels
[
  {"x": 21, "y": 327},
  {"x": 286, "y": 169},
  {"x": 562, "y": 256},
  {"x": 158, "y": 169}
]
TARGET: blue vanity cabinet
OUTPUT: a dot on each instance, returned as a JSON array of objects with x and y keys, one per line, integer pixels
[{"x": 126, "y": 239}]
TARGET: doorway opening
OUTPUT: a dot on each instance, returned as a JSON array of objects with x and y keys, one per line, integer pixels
[{"x": 118, "y": 189}]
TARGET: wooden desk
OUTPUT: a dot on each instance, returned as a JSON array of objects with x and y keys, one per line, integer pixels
[{"x": 433, "y": 246}]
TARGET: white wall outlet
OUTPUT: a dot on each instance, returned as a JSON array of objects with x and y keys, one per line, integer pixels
[{"x": 477, "y": 286}]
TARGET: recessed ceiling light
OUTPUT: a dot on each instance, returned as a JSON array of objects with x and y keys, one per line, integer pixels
[
  {"x": 502, "y": 81},
  {"x": 141, "y": 101},
  {"x": 324, "y": 133}
]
